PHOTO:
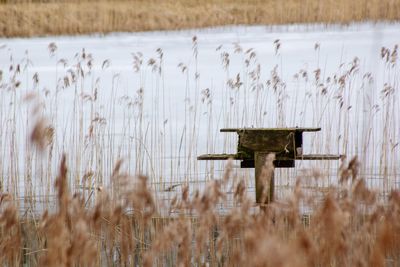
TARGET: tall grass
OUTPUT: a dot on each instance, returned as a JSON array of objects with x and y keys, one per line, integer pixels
[
  {"x": 160, "y": 130},
  {"x": 32, "y": 18},
  {"x": 101, "y": 211},
  {"x": 348, "y": 226}
]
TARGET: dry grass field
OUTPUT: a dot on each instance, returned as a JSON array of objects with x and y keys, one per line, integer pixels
[{"x": 37, "y": 18}]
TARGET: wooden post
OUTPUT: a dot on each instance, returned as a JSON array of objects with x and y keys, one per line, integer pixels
[{"x": 264, "y": 175}]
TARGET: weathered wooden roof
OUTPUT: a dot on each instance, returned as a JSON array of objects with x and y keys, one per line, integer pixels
[
  {"x": 240, "y": 157},
  {"x": 291, "y": 129}
]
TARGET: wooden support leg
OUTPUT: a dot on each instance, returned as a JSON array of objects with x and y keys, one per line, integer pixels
[{"x": 264, "y": 174}]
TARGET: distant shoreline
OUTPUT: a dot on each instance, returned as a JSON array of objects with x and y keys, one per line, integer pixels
[
  {"x": 299, "y": 28},
  {"x": 35, "y": 18}
]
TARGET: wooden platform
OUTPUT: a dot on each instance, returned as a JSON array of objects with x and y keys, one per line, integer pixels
[
  {"x": 219, "y": 157},
  {"x": 239, "y": 157},
  {"x": 318, "y": 157},
  {"x": 292, "y": 129},
  {"x": 255, "y": 145}
]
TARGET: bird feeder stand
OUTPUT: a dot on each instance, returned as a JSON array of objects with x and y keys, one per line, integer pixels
[{"x": 254, "y": 146}]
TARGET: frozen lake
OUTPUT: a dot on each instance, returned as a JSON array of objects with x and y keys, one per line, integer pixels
[{"x": 158, "y": 99}]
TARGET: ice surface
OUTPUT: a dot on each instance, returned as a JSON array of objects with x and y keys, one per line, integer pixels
[{"x": 176, "y": 124}]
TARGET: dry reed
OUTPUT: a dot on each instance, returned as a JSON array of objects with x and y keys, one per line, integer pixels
[
  {"x": 348, "y": 227},
  {"x": 33, "y": 18}
]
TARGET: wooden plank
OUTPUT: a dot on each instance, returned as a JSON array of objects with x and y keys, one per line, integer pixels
[
  {"x": 290, "y": 129},
  {"x": 218, "y": 156},
  {"x": 318, "y": 157},
  {"x": 282, "y": 159}
]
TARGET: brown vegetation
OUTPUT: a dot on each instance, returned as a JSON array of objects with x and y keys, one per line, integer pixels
[
  {"x": 31, "y": 18},
  {"x": 349, "y": 227}
]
